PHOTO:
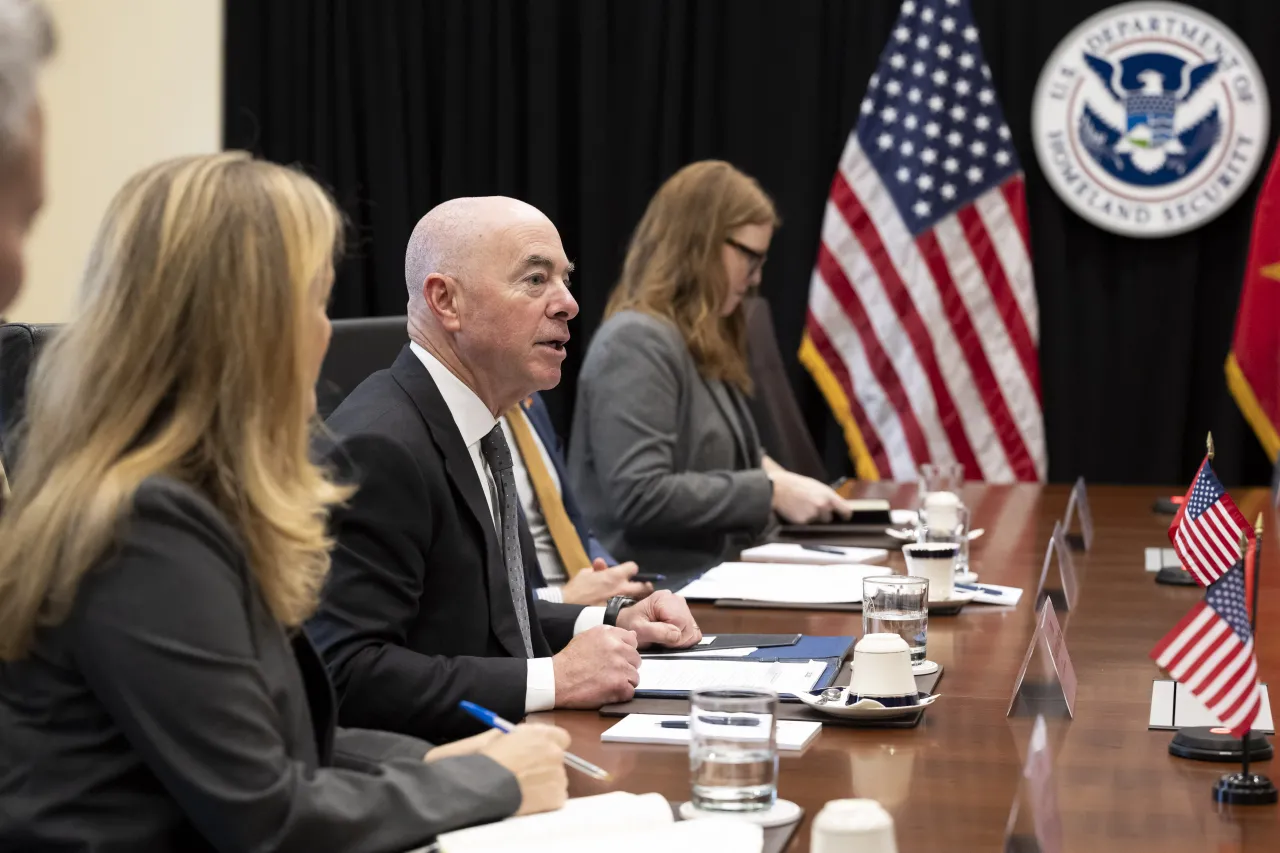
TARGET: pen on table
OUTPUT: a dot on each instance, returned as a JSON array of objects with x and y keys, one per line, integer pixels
[
  {"x": 492, "y": 720},
  {"x": 714, "y": 721},
  {"x": 643, "y": 577},
  {"x": 825, "y": 549},
  {"x": 975, "y": 588}
]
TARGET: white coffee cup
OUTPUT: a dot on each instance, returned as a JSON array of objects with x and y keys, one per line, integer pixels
[
  {"x": 852, "y": 826},
  {"x": 941, "y": 511},
  {"x": 935, "y": 561},
  {"x": 882, "y": 669}
]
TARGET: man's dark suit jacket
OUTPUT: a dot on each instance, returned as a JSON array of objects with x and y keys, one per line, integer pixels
[
  {"x": 536, "y": 411},
  {"x": 170, "y": 711},
  {"x": 417, "y": 613}
]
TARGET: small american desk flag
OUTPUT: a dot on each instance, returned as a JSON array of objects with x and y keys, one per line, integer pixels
[
  {"x": 1206, "y": 531},
  {"x": 923, "y": 327},
  {"x": 1211, "y": 652}
]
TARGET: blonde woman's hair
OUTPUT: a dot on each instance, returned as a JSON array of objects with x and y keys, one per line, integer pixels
[
  {"x": 188, "y": 358},
  {"x": 675, "y": 268}
]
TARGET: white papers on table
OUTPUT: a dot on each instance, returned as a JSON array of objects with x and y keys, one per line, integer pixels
[
  {"x": 631, "y": 823},
  {"x": 1159, "y": 558},
  {"x": 792, "y": 735},
  {"x": 902, "y": 517},
  {"x": 795, "y": 583},
  {"x": 740, "y": 652},
  {"x": 1173, "y": 706},
  {"x": 684, "y": 675},
  {"x": 990, "y": 593},
  {"x": 794, "y": 552}
]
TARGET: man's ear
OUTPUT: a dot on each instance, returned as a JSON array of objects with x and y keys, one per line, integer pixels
[{"x": 440, "y": 292}]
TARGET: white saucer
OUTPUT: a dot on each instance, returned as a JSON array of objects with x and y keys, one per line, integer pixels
[
  {"x": 865, "y": 709},
  {"x": 958, "y": 596},
  {"x": 904, "y": 535},
  {"x": 781, "y": 813},
  {"x": 925, "y": 667}
]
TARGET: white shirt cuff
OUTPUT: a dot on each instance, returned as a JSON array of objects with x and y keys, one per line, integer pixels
[
  {"x": 587, "y": 619},
  {"x": 540, "y": 687},
  {"x": 550, "y": 593}
]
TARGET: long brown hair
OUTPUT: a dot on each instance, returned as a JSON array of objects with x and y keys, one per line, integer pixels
[
  {"x": 187, "y": 358},
  {"x": 675, "y": 268}
]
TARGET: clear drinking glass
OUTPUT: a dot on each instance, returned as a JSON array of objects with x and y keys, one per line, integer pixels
[
  {"x": 898, "y": 605},
  {"x": 733, "y": 753},
  {"x": 952, "y": 527},
  {"x": 938, "y": 477}
]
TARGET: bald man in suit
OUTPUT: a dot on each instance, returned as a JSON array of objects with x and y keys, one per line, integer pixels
[{"x": 429, "y": 601}]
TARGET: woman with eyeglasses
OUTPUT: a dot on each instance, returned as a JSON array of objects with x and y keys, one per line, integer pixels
[
  {"x": 166, "y": 539},
  {"x": 665, "y": 456}
]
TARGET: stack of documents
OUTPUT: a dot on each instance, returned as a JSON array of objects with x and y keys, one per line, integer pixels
[
  {"x": 813, "y": 555},
  {"x": 790, "y": 583},
  {"x": 792, "y": 735},
  {"x": 1161, "y": 558},
  {"x": 618, "y": 822},
  {"x": 664, "y": 676}
]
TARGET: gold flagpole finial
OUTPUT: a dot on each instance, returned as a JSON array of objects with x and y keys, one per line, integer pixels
[
  {"x": 1257, "y": 528},
  {"x": 1208, "y": 443}
]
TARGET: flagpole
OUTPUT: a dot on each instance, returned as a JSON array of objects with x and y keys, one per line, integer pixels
[
  {"x": 1253, "y": 620},
  {"x": 1245, "y": 788},
  {"x": 1208, "y": 446}
]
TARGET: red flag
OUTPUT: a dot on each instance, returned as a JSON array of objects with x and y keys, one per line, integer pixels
[{"x": 1253, "y": 366}]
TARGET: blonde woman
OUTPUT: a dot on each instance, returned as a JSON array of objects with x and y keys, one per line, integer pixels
[
  {"x": 166, "y": 538},
  {"x": 665, "y": 455}
]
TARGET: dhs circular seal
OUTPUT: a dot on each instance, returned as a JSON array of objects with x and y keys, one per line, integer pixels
[{"x": 1150, "y": 119}]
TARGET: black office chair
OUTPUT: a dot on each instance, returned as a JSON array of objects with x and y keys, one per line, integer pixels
[
  {"x": 773, "y": 405},
  {"x": 359, "y": 347},
  {"x": 20, "y": 345}
]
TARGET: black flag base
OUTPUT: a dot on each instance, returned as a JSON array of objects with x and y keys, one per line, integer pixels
[
  {"x": 1175, "y": 576},
  {"x": 1244, "y": 789},
  {"x": 1202, "y": 743}
]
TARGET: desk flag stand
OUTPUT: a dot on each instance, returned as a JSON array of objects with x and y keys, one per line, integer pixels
[
  {"x": 1245, "y": 788},
  {"x": 1213, "y": 743}
]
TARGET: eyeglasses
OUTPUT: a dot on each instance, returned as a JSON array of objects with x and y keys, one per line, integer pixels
[{"x": 755, "y": 260}]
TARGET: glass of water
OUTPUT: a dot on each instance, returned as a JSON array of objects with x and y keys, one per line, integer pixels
[
  {"x": 949, "y": 525},
  {"x": 733, "y": 753},
  {"x": 898, "y": 605},
  {"x": 938, "y": 477}
]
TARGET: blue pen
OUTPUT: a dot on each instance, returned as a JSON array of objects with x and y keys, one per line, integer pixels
[
  {"x": 983, "y": 589},
  {"x": 492, "y": 720}
]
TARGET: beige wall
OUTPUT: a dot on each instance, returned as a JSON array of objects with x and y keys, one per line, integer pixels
[{"x": 134, "y": 81}]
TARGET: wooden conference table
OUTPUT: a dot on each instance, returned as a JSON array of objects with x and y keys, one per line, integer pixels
[{"x": 950, "y": 782}]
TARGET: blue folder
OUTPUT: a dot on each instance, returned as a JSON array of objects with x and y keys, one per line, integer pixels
[{"x": 831, "y": 649}]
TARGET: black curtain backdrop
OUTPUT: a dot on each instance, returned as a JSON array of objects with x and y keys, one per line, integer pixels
[{"x": 583, "y": 108}]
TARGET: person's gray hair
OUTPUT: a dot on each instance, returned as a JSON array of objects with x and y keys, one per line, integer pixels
[{"x": 27, "y": 39}]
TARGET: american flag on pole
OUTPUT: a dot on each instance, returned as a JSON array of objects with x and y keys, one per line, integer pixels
[
  {"x": 1211, "y": 652},
  {"x": 922, "y": 329},
  {"x": 1206, "y": 531}
]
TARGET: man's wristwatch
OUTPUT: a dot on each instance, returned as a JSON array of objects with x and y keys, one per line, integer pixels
[{"x": 614, "y": 607}]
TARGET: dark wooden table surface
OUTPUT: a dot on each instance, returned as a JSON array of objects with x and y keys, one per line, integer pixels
[{"x": 950, "y": 782}]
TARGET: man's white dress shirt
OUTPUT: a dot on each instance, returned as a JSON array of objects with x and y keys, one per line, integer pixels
[{"x": 474, "y": 421}]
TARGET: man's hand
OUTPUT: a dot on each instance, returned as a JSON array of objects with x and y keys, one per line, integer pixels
[
  {"x": 662, "y": 619},
  {"x": 535, "y": 756},
  {"x": 599, "y": 666},
  {"x": 466, "y": 746},
  {"x": 601, "y": 582},
  {"x": 803, "y": 500}
]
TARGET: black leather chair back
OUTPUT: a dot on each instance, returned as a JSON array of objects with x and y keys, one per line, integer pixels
[
  {"x": 359, "y": 347},
  {"x": 20, "y": 345},
  {"x": 782, "y": 429}
]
